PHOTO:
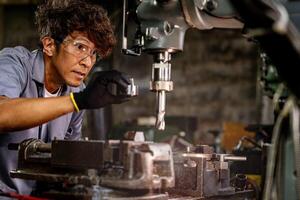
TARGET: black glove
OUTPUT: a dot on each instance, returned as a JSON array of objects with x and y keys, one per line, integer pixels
[{"x": 104, "y": 88}]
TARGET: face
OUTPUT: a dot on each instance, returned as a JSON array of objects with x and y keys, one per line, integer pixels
[{"x": 74, "y": 59}]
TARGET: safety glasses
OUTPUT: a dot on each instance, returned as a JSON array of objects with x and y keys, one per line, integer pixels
[{"x": 81, "y": 50}]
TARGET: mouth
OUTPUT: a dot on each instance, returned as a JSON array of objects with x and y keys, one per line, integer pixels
[{"x": 79, "y": 75}]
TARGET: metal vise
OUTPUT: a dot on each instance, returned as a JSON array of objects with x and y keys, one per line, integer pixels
[
  {"x": 202, "y": 173},
  {"x": 125, "y": 165}
]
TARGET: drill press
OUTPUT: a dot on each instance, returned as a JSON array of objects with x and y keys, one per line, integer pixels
[{"x": 161, "y": 28}]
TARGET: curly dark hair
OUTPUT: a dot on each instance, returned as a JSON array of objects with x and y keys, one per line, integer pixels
[{"x": 59, "y": 18}]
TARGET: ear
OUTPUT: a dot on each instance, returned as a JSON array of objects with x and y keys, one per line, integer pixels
[{"x": 49, "y": 46}]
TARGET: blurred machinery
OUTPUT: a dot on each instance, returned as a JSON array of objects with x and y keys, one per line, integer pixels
[
  {"x": 275, "y": 27},
  {"x": 126, "y": 170}
]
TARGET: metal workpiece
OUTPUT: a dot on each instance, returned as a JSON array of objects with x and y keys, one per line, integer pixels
[
  {"x": 200, "y": 172},
  {"x": 132, "y": 89}
]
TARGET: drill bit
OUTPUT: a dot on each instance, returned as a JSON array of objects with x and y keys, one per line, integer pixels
[{"x": 160, "y": 110}]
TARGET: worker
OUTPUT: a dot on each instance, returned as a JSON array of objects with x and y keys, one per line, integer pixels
[{"x": 42, "y": 94}]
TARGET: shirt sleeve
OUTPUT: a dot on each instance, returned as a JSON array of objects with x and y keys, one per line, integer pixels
[
  {"x": 74, "y": 129},
  {"x": 12, "y": 74}
]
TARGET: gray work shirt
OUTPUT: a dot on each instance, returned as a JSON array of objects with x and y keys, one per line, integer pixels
[{"x": 22, "y": 75}]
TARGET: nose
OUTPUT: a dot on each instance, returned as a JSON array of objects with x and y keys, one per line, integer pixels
[{"x": 87, "y": 62}]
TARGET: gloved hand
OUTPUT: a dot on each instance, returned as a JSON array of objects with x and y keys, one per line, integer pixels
[{"x": 104, "y": 88}]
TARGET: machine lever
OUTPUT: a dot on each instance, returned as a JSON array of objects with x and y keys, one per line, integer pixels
[{"x": 135, "y": 51}]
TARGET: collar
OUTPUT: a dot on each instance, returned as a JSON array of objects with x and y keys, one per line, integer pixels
[{"x": 38, "y": 70}]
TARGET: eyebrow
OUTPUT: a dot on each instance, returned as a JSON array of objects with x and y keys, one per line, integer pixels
[
  {"x": 82, "y": 38},
  {"x": 89, "y": 43}
]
